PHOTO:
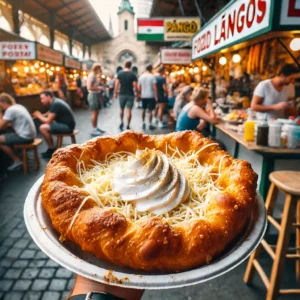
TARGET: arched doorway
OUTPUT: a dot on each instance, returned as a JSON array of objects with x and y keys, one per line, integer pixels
[{"x": 119, "y": 69}]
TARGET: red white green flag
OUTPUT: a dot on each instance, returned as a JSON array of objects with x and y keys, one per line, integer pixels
[{"x": 150, "y": 30}]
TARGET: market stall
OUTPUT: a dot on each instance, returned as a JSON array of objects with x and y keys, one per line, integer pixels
[
  {"x": 245, "y": 43},
  {"x": 28, "y": 69}
]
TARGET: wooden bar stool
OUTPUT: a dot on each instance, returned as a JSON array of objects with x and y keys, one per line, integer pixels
[
  {"x": 24, "y": 148},
  {"x": 289, "y": 183},
  {"x": 61, "y": 135}
]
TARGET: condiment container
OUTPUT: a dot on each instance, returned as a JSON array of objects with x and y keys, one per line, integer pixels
[
  {"x": 274, "y": 139},
  {"x": 292, "y": 136},
  {"x": 249, "y": 126},
  {"x": 262, "y": 134}
]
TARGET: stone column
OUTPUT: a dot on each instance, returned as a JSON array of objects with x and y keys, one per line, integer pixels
[
  {"x": 16, "y": 20},
  {"x": 52, "y": 21}
]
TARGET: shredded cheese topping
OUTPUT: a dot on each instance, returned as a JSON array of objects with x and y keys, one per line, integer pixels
[{"x": 97, "y": 181}]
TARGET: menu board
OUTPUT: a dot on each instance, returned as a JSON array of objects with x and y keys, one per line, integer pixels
[{"x": 48, "y": 55}]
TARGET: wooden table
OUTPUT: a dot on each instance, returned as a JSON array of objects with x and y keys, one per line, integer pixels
[{"x": 270, "y": 155}]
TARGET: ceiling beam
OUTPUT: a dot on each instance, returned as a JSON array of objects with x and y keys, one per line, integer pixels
[{"x": 66, "y": 4}]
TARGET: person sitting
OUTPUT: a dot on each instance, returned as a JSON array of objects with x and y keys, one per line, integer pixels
[
  {"x": 194, "y": 116},
  {"x": 182, "y": 99},
  {"x": 59, "y": 119},
  {"x": 22, "y": 124}
]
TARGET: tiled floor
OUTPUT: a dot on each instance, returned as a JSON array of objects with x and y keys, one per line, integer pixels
[{"x": 27, "y": 273}]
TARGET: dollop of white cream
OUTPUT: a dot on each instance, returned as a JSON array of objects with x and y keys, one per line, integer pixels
[{"x": 151, "y": 181}]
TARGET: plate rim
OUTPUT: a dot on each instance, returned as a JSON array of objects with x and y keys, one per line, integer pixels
[{"x": 138, "y": 281}]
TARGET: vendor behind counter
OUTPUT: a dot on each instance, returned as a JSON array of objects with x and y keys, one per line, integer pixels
[{"x": 272, "y": 97}]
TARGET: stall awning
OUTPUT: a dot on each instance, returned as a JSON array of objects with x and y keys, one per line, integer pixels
[
  {"x": 244, "y": 20},
  {"x": 76, "y": 17}
]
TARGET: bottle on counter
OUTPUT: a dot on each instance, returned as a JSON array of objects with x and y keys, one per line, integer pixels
[
  {"x": 249, "y": 128},
  {"x": 274, "y": 139},
  {"x": 292, "y": 136},
  {"x": 262, "y": 134}
]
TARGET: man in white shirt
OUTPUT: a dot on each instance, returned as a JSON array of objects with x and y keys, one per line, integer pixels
[
  {"x": 148, "y": 89},
  {"x": 21, "y": 121},
  {"x": 273, "y": 96}
]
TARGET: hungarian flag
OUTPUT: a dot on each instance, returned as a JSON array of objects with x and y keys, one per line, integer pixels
[{"x": 150, "y": 30}]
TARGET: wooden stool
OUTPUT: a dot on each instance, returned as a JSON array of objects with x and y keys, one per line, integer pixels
[
  {"x": 289, "y": 183},
  {"x": 61, "y": 135},
  {"x": 24, "y": 148}
]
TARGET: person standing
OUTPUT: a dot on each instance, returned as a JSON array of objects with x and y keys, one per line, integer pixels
[
  {"x": 162, "y": 95},
  {"x": 148, "y": 90},
  {"x": 59, "y": 119},
  {"x": 94, "y": 97},
  {"x": 127, "y": 81},
  {"x": 22, "y": 124},
  {"x": 62, "y": 86},
  {"x": 272, "y": 97}
]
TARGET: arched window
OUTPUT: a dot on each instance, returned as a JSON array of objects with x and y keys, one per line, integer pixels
[
  {"x": 57, "y": 46},
  {"x": 26, "y": 33},
  {"x": 80, "y": 54},
  {"x": 75, "y": 52},
  {"x": 44, "y": 40},
  {"x": 126, "y": 25},
  {"x": 4, "y": 24},
  {"x": 66, "y": 49}
]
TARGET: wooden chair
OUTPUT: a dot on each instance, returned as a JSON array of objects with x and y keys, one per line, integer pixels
[
  {"x": 24, "y": 148},
  {"x": 289, "y": 183},
  {"x": 61, "y": 135}
]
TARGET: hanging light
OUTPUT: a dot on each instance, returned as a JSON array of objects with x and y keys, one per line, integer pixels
[
  {"x": 172, "y": 74},
  {"x": 57, "y": 68},
  {"x": 191, "y": 70},
  {"x": 196, "y": 69},
  {"x": 84, "y": 72},
  {"x": 295, "y": 44},
  {"x": 47, "y": 71},
  {"x": 178, "y": 72},
  {"x": 31, "y": 68},
  {"x": 52, "y": 68},
  {"x": 223, "y": 60},
  {"x": 84, "y": 77},
  {"x": 236, "y": 58},
  {"x": 15, "y": 69},
  {"x": 47, "y": 66},
  {"x": 182, "y": 72},
  {"x": 42, "y": 63},
  {"x": 36, "y": 65},
  {"x": 204, "y": 68},
  {"x": 42, "y": 70},
  {"x": 26, "y": 69},
  {"x": 50, "y": 73}
]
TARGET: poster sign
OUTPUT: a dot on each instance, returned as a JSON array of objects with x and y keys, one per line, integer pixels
[
  {"x": 290, "y": 12},
  {"x": 170, "y": 56},
  {"x": 167, "y": 29},
  {"x": 72, "y": 63},
  {"x": 48, "y": 55},
  {"x": 17, "y": 50},
  {"x": 239, "y": 21},
  {"x": 181, "y": 29}
]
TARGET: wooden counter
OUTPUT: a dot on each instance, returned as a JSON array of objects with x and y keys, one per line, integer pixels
[{"x": 267, "y": 155}]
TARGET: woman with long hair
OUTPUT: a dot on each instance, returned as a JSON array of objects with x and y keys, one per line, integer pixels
[
  {"x": 196, "y": 113},
  {"x": 182, "y": 99}
]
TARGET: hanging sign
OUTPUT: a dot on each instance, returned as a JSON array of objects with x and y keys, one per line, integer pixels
[
  {"x": 290, "y": 12},
  {"x": 72, "y": 63},
  {"x": 48, "y": 55},
  {"x": 181, "y": 29},
  {"x": 239, "y": 21},
  {"x": 170, "y": 56},
  {"x": 167, "y": 29},
  {"x": 17, "y": 50}
]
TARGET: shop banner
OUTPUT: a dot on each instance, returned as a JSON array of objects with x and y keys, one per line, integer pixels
[
  {"x": 181, "y": 29},
  {"x": 290, "y": 12},
  {"x": 72, "y": 63},
  {"x": 239, "y": 21},
  {"x": 167, "y": 29},
  {"x": 176, "y": 56},
  {"x": 48, "y": 55},
  {"x": 17, "y": 50}
]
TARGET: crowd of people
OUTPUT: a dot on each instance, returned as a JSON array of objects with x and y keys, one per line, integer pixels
[{"x": 189, "y": 108}]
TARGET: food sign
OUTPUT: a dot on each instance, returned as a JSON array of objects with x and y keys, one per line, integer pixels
[
  {"x": 17, "y": 50},
  {"x": 290, "y": 12},
  {"x": 51, "y": 56},
  {"x": 72, "y": 63},
  {"x": 239, "y": 21},
  {"x": 181, "y": 29},
  {"x": 176, "y": 56}
]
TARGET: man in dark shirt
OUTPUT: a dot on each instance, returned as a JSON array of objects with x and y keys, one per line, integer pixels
[
  {"x": 127, "y": 82},
  {"x": 162, "y": 95},
  {"x": 59, "y": 119}
]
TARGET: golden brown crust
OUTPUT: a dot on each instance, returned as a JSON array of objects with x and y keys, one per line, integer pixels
[{"x": 150, "y": 245}]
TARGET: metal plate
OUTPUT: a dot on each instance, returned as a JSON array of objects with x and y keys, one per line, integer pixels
[{"x": 71, "y": 257}]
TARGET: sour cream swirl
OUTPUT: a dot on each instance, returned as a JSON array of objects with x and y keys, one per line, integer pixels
[{"x": 151, "y": 182}]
